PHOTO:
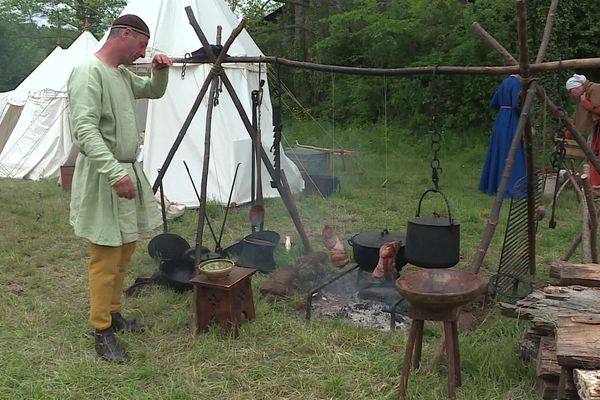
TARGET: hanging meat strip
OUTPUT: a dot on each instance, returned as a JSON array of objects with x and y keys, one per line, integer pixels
[
  {"x": 387, "y": 259},
  {"x": 337, "y": 251}
]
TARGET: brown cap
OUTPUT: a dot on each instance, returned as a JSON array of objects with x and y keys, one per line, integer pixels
[{"x": 133, "y": 22}]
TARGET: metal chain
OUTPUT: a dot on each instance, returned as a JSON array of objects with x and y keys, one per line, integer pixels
[
  {"x": 186, "y": 56},
  {"x": 557, "y": 158},
  {"x": 260, "y": 93},
  {"x": 217, "y": 92},
  {"x": 435, "y": 133}
]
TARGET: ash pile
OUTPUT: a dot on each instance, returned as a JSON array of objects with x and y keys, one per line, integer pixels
[{"x": 355, "y": 297}]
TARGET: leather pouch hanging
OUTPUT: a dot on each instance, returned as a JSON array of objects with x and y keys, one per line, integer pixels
[{"x": 433, "y": 241}]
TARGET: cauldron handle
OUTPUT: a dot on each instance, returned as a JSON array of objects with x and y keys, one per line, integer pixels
[
  {"x": 351, "y": 240},
  {"x": 443, "y": 196}
]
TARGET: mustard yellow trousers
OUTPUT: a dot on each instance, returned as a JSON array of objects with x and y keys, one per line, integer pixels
[{"x": 106, "y": 271}]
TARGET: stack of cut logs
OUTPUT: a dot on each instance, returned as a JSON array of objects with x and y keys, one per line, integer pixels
[{"x": 563, "y": 341}]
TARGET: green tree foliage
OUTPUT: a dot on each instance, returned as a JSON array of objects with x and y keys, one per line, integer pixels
[
  {"x": 31, "y": 29},
  {"x": 405, "y": 33},
  {"x": 22, "y": 47},
  {"x": 68, "y": 14}
]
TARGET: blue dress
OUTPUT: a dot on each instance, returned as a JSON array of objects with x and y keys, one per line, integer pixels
[{"x": 506, "y": 101}]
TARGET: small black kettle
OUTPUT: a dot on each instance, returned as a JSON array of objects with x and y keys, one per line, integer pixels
[{"x": 432, "y": 242}]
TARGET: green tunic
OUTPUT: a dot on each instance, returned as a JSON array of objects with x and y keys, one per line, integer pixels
[{"x": 104, "y": 126}]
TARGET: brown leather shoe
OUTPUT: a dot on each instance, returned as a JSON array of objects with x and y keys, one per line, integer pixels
[
  {"x": 120, "y": 324},
  {"x": 107, "y": 347}
]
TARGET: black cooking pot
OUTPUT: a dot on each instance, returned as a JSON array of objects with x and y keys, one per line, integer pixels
[
  {"x": 167, "y": 246},
  {"x": 366, "y": 245},
  {"x": 176, "y": 274},
  {"x": 256, "y": 251},
  {"x": 433, "y": 242}
]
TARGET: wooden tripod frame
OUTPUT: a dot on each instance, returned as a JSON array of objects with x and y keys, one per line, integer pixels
[{"x": 213, "y": 76}]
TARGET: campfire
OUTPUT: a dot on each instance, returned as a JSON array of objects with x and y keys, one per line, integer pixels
[{"x": 355, "y": 297}]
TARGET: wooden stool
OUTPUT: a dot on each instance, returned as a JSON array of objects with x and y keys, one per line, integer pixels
[
  {"x": 415, "y": 342},
  {"x": 224, "y": 300}
]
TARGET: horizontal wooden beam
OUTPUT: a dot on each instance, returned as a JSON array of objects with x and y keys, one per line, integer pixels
[{"x": 581, "y": 63}]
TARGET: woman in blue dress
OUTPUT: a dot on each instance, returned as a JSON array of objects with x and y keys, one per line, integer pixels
[{"x": 506, "y": 102}]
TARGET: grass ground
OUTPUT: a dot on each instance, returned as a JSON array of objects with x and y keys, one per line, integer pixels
[{"x": 46, "y": 351}]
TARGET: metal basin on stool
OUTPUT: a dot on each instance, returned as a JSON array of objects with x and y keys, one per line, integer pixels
[{"x": 439, "y": 289}]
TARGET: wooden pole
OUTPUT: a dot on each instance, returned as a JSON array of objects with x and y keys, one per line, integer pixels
[
  {"x": 593, "y": 218},
  {"x": 586, "y": 255},
  {"x": 523, "y": 48},
  {"x": 575, "y": 243},
  {"x": 204, "y": 182},
  {"x": 205, "y": 163},
  {"x": 291, "y": 206},
  {"x": 547, "y": 31},
  {"x": 585, "y": 237},
  {"x": 494, "y": 43},
  {"x": 578, "y": 63},
  {"x": 527, "y": 136},
  {"x": 571, "y": 250}
]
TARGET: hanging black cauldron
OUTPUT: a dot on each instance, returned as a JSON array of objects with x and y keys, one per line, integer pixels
[
  {"x": 366, "y": 245},
  {"x": 433, "y": 242}
]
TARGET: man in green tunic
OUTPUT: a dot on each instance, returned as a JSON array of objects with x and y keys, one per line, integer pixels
[{"x": 111, "y": 200}]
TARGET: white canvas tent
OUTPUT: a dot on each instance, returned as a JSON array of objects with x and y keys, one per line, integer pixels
[
  {"x": 171, "y": 34},
  {"x": 35, "y": 137}
]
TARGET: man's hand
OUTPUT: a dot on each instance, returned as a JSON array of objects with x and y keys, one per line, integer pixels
[
  {"x": 161, "y": 61},
  {"x": 583, "y": 96},
  {"x": 125, "y": 188}
]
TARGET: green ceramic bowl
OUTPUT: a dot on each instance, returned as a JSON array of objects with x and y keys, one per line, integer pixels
[{"x": 216, "y": 269}]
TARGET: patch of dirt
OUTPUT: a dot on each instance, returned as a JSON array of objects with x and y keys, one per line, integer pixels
[
  {"x": 472, "y": 315},
  {"x": 16, "y": 289}
]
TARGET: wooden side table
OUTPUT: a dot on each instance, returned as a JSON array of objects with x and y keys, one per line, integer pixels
[{"x": 224, "y": 300}]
